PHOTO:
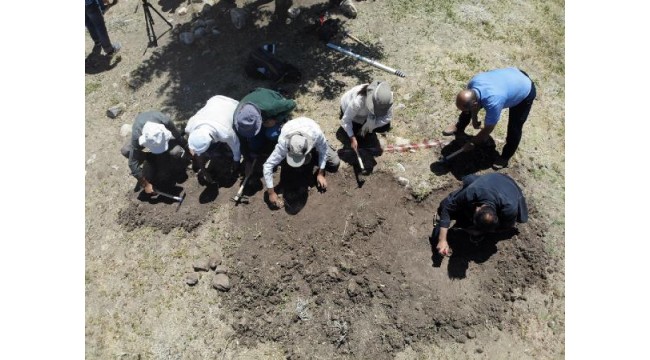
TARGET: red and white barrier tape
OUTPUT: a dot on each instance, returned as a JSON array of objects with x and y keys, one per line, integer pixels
[{"x": 426, "y": 144}]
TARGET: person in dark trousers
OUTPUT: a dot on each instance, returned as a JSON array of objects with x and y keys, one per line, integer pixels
[
  {"x": 258, "y": 120},
  {"x": 156, "y": 140},
  {"x": 494, "y": 91},
  {"x": 97, "y": 29},
  {"x": 487, "y": 203}
]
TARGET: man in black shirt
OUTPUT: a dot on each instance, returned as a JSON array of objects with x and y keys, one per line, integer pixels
[{"x": 487, "y": 203}]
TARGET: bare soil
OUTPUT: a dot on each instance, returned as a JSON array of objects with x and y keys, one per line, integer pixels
[{"x": 352, "y": 272}]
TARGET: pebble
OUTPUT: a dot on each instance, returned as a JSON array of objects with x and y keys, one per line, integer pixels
[
  {"x": 222, "y": 269},
  {"x": 191, "y": 279},
  {"x": 400, "y": 167},
  {"x": 353, "y": 288},
  {"x": 334, "y": 273},
  {"x": 202, "y": 265},
  {"x": 215, "y": 259},
  {"x": 479, "y": 350},
  {"x": 126, "y": 130},
  {"x": 115, "y": 111},
  {"x": 403, "y": 181},
  {"x": 221, "y": 282},
  {"x": 471, "y": 334},
  {"x": 181, "y": 11}
]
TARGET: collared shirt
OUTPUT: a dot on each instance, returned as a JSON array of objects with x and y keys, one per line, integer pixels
[
  {"x": 305, "y": 126},
  {"x": 497, "y": 190},
  {"x": 500, "y": 89},
  {"x": 216, "y": 116},
  {"x": 354, "y": 109},
  {"x": 143, "y": 118}
]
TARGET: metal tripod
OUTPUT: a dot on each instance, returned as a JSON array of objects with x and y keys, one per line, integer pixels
[{"x": 151, "y": 34}]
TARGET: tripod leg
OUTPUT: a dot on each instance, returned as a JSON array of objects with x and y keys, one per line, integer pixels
[
  {"x": 151, "y": 34},
  {"x": 162, "y": 17}
]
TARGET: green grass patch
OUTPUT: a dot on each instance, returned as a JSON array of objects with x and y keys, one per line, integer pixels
[{"x": 92, "y": 87}]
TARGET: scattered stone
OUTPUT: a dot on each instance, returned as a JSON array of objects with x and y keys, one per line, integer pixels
[
  {"x": 399, "y": 107},
  {"x": 334, "y": 273},
  {"x": 403, "y": 181},
  {"x": 221, "y": 282},
  {"x": 187, "y": 38},
  {"x": 126, "y": 130},
  {"x": 202, "y": 265},
  {"x": 400, "y": 167},
  {"x": 353, "y": 288},
  {"x": 479, "y": 350},
  {"x": 191, "y": 279},
  {"x": 215, "y": 259},
  {"x": 471, "y": 334},
  {"x": 115, "y": 111},
  {"x": 181, "y": 11},
  {"x": 461, "y": 339},
  {"x": 199, "y": 32},
  {"x": 294, "y": 12},
  {"x": 222, "y": 269}
]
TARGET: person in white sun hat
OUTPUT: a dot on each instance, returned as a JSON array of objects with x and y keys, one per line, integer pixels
[
  {"x": 209, "y": 130},
  {"x": 300, "y": 141},
  {"x": 365, "y": 109},
  {"x": 156, "y": 142}
]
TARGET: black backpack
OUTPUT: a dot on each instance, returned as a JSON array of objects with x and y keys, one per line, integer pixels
[{"x": 263, "y": 64}]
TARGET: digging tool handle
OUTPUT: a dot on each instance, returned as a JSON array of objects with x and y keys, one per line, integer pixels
[
  {"x": 452, "y": 155},
  {"x": 360, "y": 161},
  {"x": 177, "y": 198},
  {"x": 240, "y": 192}
]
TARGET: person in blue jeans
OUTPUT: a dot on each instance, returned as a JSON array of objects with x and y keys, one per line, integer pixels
[{"x": 97, "y": 29}]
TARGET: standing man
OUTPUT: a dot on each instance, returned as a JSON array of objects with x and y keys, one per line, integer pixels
[
  {"x": 208, "y": 128},
  {"x": 298, "y": 141},
  {"x": 97, "y": 29},
  {"x": 154, "y": 139},
  {"x": 494, "y": 91},
  {"x": 365, "y": 109},
  {"x": 258, "y": 120},
  {"x": 487, "y": 203}
]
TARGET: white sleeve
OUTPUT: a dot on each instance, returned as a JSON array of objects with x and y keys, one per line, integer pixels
[
  {"x": 346, "y": 121},
  {"x": 385, "y": 120},
  {"x": 233, "y": 142},
  {"x": 276, "y": 157},
  {"x": 321, "y": 147}
]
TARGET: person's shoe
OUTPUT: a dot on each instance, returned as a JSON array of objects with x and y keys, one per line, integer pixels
[
  {"x": 116, "y": 48},
  {"x": 500, "y": 163},
  {"x": 348, "y": 9},
  {"x": 450, "y": 130}
]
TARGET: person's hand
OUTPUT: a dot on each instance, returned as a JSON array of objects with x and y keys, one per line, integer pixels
[
  {"x": 443, "y": 248},
  {"x": 365, "y": 129},
  {"x": 354, "y": 143},
  {"x": 275, "y": 200},
  {"x": 148, "y": 188},
  {"x": 321, "y": 182}
]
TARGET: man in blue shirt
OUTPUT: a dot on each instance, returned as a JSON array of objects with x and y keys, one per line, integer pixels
[{"x": 495, "y": 90}]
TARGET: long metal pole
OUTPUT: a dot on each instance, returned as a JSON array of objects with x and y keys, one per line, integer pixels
[{"x": 366, "y": 60}]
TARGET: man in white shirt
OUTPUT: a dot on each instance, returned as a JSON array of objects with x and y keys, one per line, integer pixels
[
  {"x": 298, "y": 141},
  {"x": 210, "y": 127},
  {"x": 365, "y": 109}
]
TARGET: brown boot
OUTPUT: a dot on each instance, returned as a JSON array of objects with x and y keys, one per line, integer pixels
[{"x": 450, "y": 130}]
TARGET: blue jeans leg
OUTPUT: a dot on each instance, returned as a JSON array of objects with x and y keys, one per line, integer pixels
[{"x": 97, "y": 28}]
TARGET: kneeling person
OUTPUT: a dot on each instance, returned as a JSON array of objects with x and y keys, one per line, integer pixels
[
  {"x": 156, "y": 140},
  {"x": 298, "y": 141},
  {"x": 487, "y": 203},
  {"x": 209, "y": 128}
]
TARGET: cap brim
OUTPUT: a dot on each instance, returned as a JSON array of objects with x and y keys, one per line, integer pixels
[{"x": 295, "y": 160}]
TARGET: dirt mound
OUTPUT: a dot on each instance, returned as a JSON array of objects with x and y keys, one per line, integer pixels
[{"x": 354, "y": 273}]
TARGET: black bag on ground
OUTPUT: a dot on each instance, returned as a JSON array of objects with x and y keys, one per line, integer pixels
[{"x": 263, "y": 64}]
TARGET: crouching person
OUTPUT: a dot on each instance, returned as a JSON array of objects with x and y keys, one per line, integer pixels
[
  {"x": 209, "y": 130},
  {"x": 485, "y": 204},
  {"x": 300, "y": 141}
]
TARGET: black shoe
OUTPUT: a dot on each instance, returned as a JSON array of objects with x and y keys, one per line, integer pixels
[{"x": 500, "y": 163}]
